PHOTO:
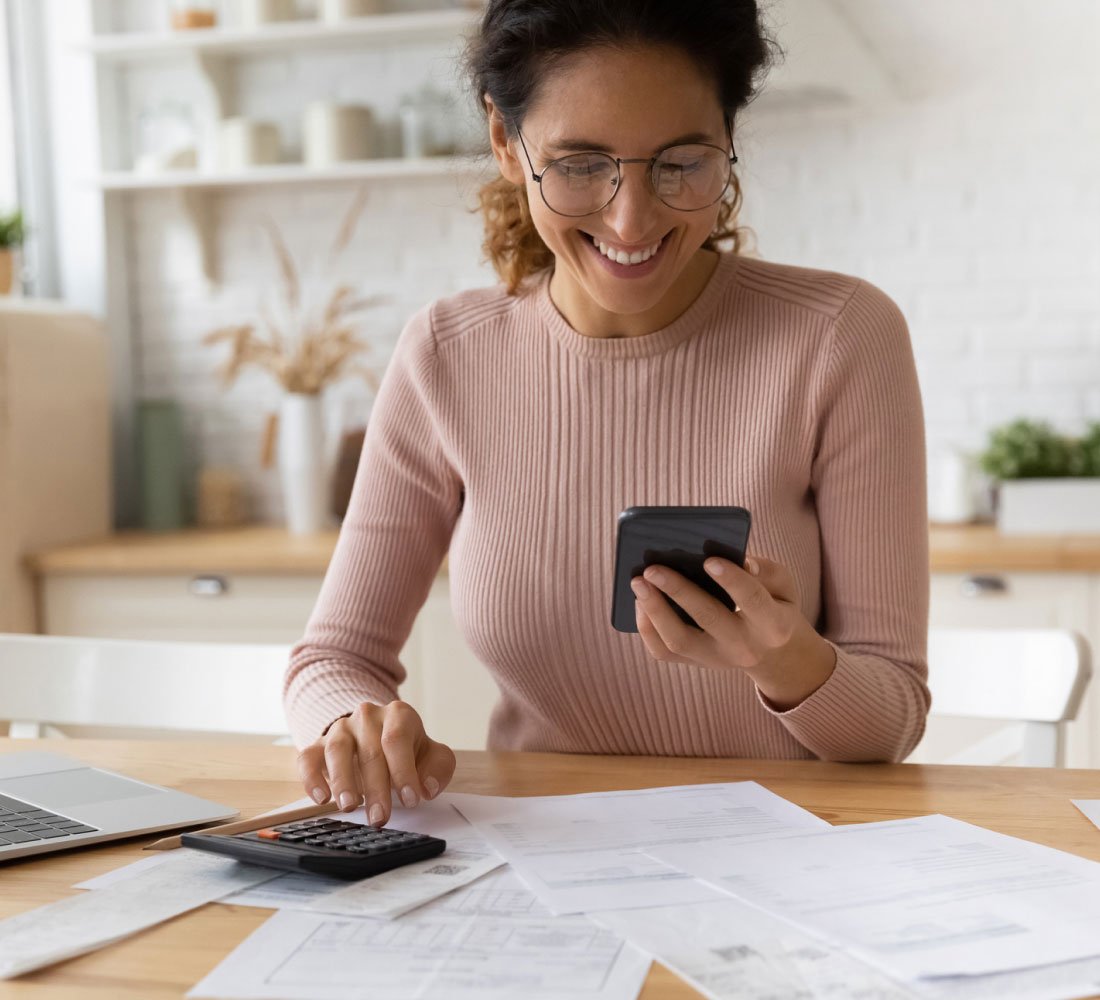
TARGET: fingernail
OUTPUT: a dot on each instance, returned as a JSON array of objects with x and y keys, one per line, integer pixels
[
  {"x": 347, "y": 800},
  {"x": 655, "y": 576},
  {"x": 714, "y": 567},
  {"x": 752, "y": 566},
  {"x": 318, "y": 795},
  {"x": 408, "y": 796},
  {"x": 432, "y": 787},
  {"x": 376, "y": 815},
  {"x": 640, "y": 588}
]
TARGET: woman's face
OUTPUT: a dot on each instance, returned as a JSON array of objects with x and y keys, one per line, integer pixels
[{"x": 630, "y": 103}]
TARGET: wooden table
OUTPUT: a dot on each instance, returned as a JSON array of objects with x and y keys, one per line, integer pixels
[{"x": 167, "y": 960}]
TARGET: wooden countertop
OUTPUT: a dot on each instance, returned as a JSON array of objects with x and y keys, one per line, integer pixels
[
  {"x": 265, "y": 549},
  {"x": 165, "y": 961},
  {"x": 253, "y": 549}
]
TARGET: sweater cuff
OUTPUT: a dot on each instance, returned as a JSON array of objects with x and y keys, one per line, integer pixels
[{"x": 861, "y": 713}]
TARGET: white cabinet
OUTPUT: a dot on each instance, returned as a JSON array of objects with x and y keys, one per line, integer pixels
[
  {"x": 197, "y": 608},
  {"x": 451, "y": 689},
  {"x": 1017, "y": 600}
]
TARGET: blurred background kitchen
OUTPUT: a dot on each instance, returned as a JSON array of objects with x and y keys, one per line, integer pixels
[{"x": 189, "y": 191}]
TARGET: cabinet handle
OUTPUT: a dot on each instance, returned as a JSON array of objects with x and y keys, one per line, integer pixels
[
  {"x": 983, "y": 586},
  {"x": 208, "y": 586}
]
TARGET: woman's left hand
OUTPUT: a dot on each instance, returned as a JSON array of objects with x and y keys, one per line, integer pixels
[{"x": 768, "y": 636}]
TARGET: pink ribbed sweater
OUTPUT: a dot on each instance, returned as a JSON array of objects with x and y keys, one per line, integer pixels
[{"x": 503, "y": 435}]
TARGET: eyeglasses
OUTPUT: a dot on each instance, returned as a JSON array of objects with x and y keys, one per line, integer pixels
[{"x": 687, "y": 178}]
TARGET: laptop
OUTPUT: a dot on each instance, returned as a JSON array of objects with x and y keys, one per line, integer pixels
[{"x": 50, "y": 803}]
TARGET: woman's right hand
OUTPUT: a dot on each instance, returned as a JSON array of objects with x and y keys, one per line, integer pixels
[{"x": 375, "y": 749}]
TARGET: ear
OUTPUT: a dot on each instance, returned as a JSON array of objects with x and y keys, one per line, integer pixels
[{"x": 513, "y": 167}]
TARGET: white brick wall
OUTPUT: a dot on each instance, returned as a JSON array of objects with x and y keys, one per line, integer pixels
[
  {"x": 976, "y": 207},
  {"x": 978, "y": 212}
]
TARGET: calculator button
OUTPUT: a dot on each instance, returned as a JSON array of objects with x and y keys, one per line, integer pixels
[{"x": 268, "y": 834}]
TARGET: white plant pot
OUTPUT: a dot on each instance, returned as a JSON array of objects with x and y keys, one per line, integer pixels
[
  {"x": 303, "y": 466},
  {"x": 1049, "y": 506}
]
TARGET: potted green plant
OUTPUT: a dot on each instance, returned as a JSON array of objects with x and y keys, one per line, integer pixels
[
  {"x": 1047, "y": 483},
  {"x": 11, "y": 239}
]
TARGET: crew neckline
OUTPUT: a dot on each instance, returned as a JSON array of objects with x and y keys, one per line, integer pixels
[{"x": 648, "y": 344}]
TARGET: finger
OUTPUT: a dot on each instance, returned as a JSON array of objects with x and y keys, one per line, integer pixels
[
  {"x": 657, "y": 649},
  {"x": 776, "y": 578},
  {"x": 679, "y": 638},
  {"x": 402, "y": 731},
  {"x": 343, "y": 775},
  {"x": 436, "y": 766},
  {"x": 709, "y": 613},
  {"x": 374, "y": 773},
  {"x": 311, "y": 770},
  {"x": 755, "y": 605}
]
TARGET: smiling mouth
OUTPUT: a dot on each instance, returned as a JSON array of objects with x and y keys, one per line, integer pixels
[{"x": 620, "y": 257}]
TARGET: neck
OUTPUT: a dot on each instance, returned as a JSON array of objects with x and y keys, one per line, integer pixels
[{"x": 590, "y": 319}]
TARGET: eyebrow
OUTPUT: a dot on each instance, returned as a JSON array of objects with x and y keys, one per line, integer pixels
[{"x": 584, "y": 146}]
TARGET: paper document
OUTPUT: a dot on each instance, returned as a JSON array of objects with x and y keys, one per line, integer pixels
[
  {"x": 586, "y": 852},
  {"x": 729, "y": 950},
  {"x": 499, "y": 894},
  {"x": 83, "y": 923},
  {"x": 467, "y": 857},
  {"x": 431, "y": 956},
  {"x": 931, "y": 896},
  {"x": 1090, "y": 807}
]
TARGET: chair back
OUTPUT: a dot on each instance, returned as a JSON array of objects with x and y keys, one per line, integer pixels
[
  {"x": 1036, "y": 677},
  {"x": 123, "y": 683}
]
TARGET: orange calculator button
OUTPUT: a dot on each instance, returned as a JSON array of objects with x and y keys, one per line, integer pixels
[{"x": 268, "y": 834}]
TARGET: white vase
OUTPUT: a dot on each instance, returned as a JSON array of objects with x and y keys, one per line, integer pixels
[{"x": 303, "y": 466}]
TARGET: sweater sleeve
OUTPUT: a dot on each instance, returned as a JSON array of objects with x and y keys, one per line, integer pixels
[
  {"x": 404, "y": 505},
  {"x": 870, "y": 492}
]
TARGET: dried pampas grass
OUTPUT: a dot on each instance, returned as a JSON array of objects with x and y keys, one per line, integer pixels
[{"x": 310, "y": 352}]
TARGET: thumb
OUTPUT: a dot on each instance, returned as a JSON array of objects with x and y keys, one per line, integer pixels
[{"x": 436, "y": 766}]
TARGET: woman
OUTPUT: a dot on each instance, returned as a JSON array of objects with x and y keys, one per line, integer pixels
[{"x": 624, "y": 361}]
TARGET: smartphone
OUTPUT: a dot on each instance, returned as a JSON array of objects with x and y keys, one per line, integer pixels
[{"x": 680, "y": 538}]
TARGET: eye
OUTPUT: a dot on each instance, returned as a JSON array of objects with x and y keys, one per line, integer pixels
[{"x": 585, "y": 166}]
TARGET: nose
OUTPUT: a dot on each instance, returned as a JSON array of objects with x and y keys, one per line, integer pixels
[{"x": 634, "y": 208}]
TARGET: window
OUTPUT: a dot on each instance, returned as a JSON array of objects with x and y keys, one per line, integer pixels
[{"x": 8, "y": 191}]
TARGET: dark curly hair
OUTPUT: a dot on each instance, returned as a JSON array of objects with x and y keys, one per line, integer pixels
[{"x": 518, "y": 45}]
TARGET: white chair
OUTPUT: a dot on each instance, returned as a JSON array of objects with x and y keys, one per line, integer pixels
[
  {"x": 1035, "y": 678},
  {"x": 169, "y": 687}
]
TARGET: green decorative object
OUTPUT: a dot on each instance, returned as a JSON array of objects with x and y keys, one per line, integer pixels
[
  {"x": 1088, "y": 451},
  {"x": 1027, "y": 449},
  {"x": 161, "y": 464},
  {"x": 12, "y": 231},
  {"x": 1047, "y": 483}
]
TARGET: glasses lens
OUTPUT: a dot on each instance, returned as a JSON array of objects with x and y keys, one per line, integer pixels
[
  {"x": 580, "y": 184},
  {"x": 691, "y": 177}
]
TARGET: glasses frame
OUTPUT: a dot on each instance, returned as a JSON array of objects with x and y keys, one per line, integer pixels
[{"x": 619, "y": 161}]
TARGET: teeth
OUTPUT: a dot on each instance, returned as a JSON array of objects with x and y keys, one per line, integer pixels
[{"x": 638, "y": 257}]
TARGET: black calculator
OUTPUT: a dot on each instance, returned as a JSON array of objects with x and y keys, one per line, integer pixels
[{"x": 323, "y": 845}]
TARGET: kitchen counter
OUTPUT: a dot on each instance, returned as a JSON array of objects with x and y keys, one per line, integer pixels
[
  {"x": 252, "y": 549},
  {"x": 266, "y": 549}
]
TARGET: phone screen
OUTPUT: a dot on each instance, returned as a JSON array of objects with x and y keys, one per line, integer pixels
[{"x": 680, "y": 538}]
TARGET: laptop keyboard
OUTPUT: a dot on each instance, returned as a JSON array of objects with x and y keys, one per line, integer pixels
[{"x": 22, "y": 823}]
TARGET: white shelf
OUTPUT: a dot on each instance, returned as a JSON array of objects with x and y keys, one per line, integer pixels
[
  {"x": 292, "y": 173},
  {"x": 425, "y": 25}
]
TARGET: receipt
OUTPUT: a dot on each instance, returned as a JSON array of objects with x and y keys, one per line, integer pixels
[{"x": 83, "y": 923}]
